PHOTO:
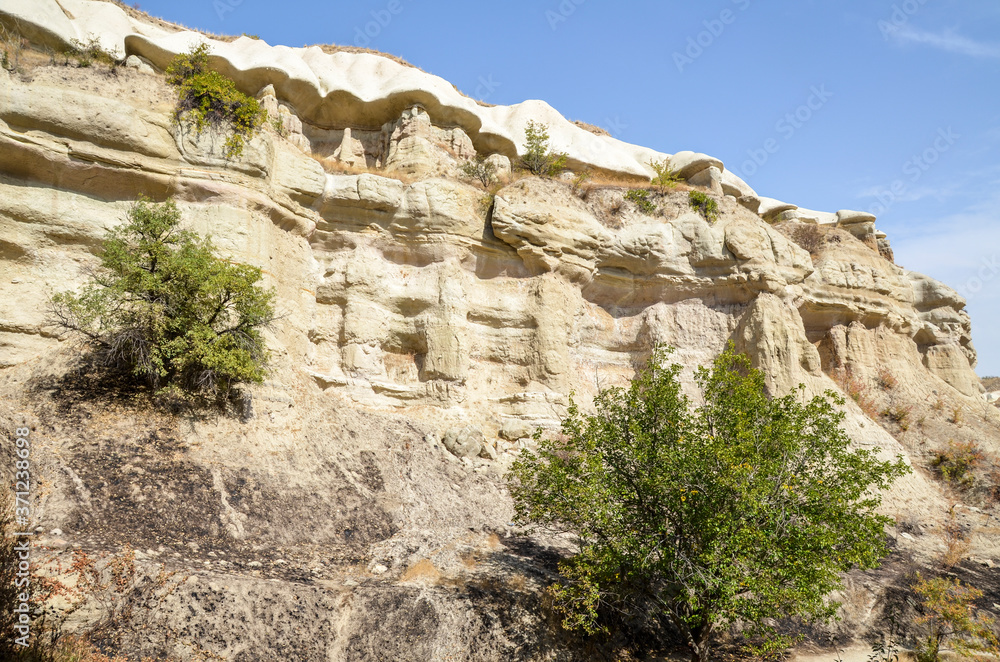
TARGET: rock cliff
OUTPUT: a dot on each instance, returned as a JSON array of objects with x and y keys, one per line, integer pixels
[{"x": 427, "y": 327}]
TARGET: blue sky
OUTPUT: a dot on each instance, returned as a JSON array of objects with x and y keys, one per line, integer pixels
[{"x": 886, "y": 106}]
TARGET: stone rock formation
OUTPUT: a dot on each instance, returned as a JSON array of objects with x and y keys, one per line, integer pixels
[{"x": 427, "y": 328}]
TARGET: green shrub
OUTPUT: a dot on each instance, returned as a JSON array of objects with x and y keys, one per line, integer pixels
[
  {"x": 165, "y": 311},
  {"x": 213, "y": 100},
  {"x": 743, "y": 509},
  {"x": 640, "y": 197},
  {"x": 704, "y": 205},
  {"x": 664, "y": 175},
  {"x": 948, "y": 611},
  {"x": 481, "y": 170},
  {"x": 538, "y": 159}
]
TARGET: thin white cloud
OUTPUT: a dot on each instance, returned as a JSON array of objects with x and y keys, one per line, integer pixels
[
  {"x": 947, "y": 40},
  {"x": 941, "y": 193},
  {"x": 962, "y": 250}
]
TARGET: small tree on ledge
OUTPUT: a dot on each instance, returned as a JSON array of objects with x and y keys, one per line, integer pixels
[
  {"x": 745, "y": 509},
  {"x": 538, "y": 159},
  {"x": 164, "y": 310}
]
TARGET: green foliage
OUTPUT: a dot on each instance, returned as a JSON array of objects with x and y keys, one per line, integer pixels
[
  {"x": 640, "y": 197},
  {"x": 704, "y": 205},
  {"x": 481, "y": 170},
  {"x": 213, "y": 100},
  {"x": 746, "y": 508},
  {"x": 947, "y": 611},
  {"x": 957, "y": 463},
  {"x": 165, "y": 310},
  {"x": 538, "y": 159},
  {"x": 664, "y": 175}
]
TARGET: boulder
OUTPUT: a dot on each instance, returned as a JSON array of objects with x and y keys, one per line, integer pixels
[
  {"x": 688, "y": 164},
  {"x": 464, "y": 442},
  {"x": 770, "y": 208}
]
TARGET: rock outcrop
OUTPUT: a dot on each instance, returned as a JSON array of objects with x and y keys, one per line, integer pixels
[{"x": 427, "y": 328}]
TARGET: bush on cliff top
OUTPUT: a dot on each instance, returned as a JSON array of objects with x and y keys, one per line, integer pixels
[
  {"x": 213, "y": 100},
  {"x": 165, "y": 310}
]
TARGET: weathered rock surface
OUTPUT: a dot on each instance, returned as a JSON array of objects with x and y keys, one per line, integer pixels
[{"x": 427, "y": 329}]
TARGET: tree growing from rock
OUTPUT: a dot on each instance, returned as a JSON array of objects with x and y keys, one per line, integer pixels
[
  {"x": 538, "y": 158},
  {"x": 745, "y": 509},
  {"x": 480, "y": 169},
  {"x": 211, "y": 99},
  {"x": 163, "y": 309}
]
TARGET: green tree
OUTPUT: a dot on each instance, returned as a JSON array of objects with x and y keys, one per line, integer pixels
[
  {"x": 538, "y": 158},
  {"x": 166, "y": 310},
  {"x": 744, "y": 509},
  {"x": 948, "y": 612},
  {"x": 213, "y": 100},
  {"x": 481, "y": 170},
  {"x": 664, "y": 175}
]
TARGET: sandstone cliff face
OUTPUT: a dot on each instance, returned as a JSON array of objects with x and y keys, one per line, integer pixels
[{"x": 427, "y": 328}]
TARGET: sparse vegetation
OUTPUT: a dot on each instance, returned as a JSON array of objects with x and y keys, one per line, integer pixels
[
  {"x": 538, "y": 158},
  {"x": 948, "y": 613},
  {"x": 747, "y": 508},
  {"x": 640, "y": 198},
  {"x": 664, "y": 175},
  {"x": 213, "y": 100},
  {"x": 900, "y": 415},
  {"x": 164, "y": 311},
  {"x": 579, "y": 181},
  {"x": 957, "y": 462},
  {"x": 956, "y": 414},
  {"x": 90, "y": 52},
  {"x": 704, "y": 205},
  {"x": 594, "y": 129},
  {"x": 480, "y": 169},
  {"x": 11, "y": 48},
  {"x": 956, "y": 541},
  {"x": 857, "y": 391},
  {"x": 886, "y": 380}
]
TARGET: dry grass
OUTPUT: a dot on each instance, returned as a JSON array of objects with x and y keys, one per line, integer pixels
[
  {"x": 421, "y": 571},
  {"x": 335, "y": 167},
  {"x": 331, "y": 49},
  {"x": 956, "y": 541},
  {"x": 137, "y": 13},
  {"x": 991, "y": 383},
  {"x": 857, "y": 390},
  {"x": 807, "y": 235},
  {"x": 900, "y": 415},
  {"x": 596, "y": 130},
  {"x": 886, "y": 380}
]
